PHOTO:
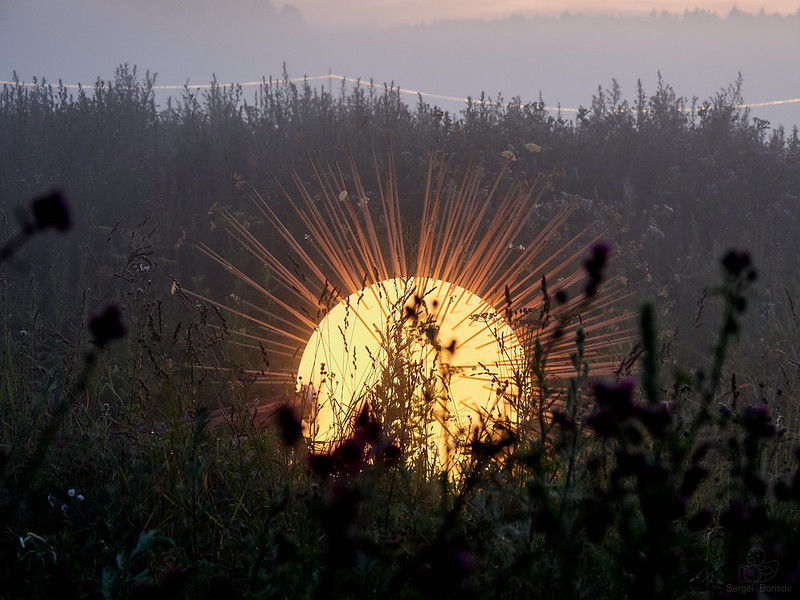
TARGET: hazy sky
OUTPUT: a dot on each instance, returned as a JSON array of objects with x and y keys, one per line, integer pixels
[
  {"x": 563, "y": 57},
  {"x": 339, "y": 12}
]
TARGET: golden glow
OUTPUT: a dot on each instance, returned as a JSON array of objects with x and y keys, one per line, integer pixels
[
  {"x": 429, "y": 324},
  {"x": 461, "y": 348}
]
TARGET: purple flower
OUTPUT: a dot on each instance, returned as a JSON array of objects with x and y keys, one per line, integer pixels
[
  {"x": 349, "y": 456},
  {"x": 562, "y": 420},
  {"x": 615, "y": 398},
  {"x": 655, "y": 418},
  {"x": 391, "y": 455},
  {"x": 51, "y": 211},
  {"x": 594, "y": 266},
  {"x": 735, "y": 262},
  {"x": 321, "y": 465},
  {"x": 756, "y": 422},
  {"x": 107, "y": 326},
  {"x": 367, "y": 426},
  {"x": 289, "y": 427}
]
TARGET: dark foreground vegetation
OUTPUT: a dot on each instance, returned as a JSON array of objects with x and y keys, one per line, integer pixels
[{"x": 677, "y": 478}]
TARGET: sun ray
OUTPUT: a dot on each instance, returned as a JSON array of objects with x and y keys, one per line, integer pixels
[{"x": 465, "y": 301}]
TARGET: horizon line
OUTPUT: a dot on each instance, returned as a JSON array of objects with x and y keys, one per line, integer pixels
[{"x": 264, "y": 81}]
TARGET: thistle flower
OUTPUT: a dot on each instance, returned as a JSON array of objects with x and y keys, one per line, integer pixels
[
  {"x": 289, "y": 427},
  {"x": 655, "y": 418},
  {"x": 735, "y": 262},
  {"x": 756, "y": 422},
  {"x": 616, "y": 399},
  {"x": 391, "y": 455},
  {"x": 321, "y": 465},
  {"x": 367, "y": 426},
  {"x": 562, "y": 420},
  {"x": 594, "y": 266},
  {"x": 107, "y": 327},
  {"x": 51, "y": 211}
]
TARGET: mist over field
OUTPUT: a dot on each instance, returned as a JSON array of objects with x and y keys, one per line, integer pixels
[
  {"x": 313, "y": 338},
  {"x": 563, "y": 57}
]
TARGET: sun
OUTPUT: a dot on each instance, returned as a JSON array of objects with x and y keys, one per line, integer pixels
[
  {"x": 460, "y": 349},
  {"x": 431, "y": 319}
]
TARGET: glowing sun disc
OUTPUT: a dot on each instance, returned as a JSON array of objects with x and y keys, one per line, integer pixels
[{"x": 464, "y": 340}]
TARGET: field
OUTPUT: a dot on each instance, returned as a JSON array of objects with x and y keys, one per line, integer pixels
[{"x": 130, "y": 470}]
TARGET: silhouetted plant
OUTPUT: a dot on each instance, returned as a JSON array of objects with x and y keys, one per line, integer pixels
[
  {"x": 657, "y": 483},
  {"x": 48, "y": 212}
]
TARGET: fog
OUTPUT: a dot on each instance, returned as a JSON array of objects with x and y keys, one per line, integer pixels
[
  {"x": 349, "y": 12},
  {"x": 564, "y": 57},
  {"x": 341, "y": 346}
]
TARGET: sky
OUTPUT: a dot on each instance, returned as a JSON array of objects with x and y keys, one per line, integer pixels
[
  {"x": 349, "y": 12},
  {"x": 413, "y": 44}
]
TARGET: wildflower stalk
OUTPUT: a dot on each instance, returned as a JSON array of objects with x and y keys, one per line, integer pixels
[
  {"x": 738, "y": 275},
  {"x": 105, "y": 328}
]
